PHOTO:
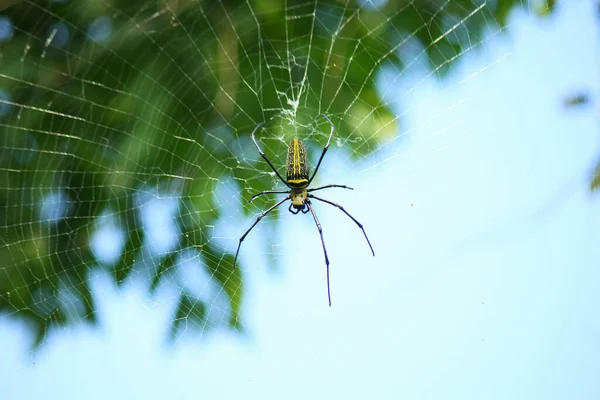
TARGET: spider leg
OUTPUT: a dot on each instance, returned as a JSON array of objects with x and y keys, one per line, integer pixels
[
  {"x": 324, "y": 149},
  {"x": 330, "y": 186},
  {"x": 261, "y": 216},
  {"x": 305, "y": 209},
  {"x": 268, "y": 192},
  {"x": 345, "y": 212},
  {"x": 324, "y": 248},
  {"x": 262, "y": 154},
  {"x": 292, "y": 210}
]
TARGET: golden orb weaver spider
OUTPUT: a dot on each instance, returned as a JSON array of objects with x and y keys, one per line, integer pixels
[{"x": 297, "y": 172}]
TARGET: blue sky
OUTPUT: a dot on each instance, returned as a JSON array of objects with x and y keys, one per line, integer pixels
[{"x": 484, "y": 283}]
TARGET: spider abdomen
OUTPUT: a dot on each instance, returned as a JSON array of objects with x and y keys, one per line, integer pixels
[{"x": 297, "y": 168}]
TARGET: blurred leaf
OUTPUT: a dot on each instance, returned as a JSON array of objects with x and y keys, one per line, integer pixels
[
  {"x": 190, "y": 312},
  {"x": 230, "y": 279},
  {"x": 577, "y": 100},
  {"x": 546, "y": 8},
  {"x": 162, "y": 269},
  {"x": 503, "y": 8},
  {"x": 133, "y": 242},
  {"x": 595, "y": 184}
]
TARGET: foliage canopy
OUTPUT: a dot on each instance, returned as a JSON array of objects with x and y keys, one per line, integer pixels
[{"x": 153, "y": 106}]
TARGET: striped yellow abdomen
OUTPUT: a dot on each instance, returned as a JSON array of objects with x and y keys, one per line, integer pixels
[{"x": 297, "y": 168}]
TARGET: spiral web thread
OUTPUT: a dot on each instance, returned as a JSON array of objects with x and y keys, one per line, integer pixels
[{"x": 217, "y": 158}]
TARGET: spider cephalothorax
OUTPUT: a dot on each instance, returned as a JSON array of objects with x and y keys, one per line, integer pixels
[
  {"x": 297, "y": 174},
  {"x": 299, "y": 197}
]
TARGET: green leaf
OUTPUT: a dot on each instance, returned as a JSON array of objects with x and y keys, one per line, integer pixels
[
  {"x": 230, "y": 279},
  {"x": 134, "y": 240},
  {"x": 503, "y": 9},
  {"x": 190, "y": 312},
  {"x": 162, "y": 269},
  {"x": 595, "y": 183}
]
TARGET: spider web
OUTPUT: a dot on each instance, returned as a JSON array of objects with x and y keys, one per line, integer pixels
[{"x": 134, "y": 161}]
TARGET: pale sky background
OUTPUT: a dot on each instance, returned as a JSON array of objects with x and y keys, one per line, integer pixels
[{"x": 485, "y": 281}]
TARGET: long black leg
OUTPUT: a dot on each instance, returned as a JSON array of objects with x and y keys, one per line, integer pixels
[
  {"x": 268, "y": 192},
  {"x": 345, "y": 212},
  {"x": 261, "y": 216},
  {"x": 324, "y": 149},
  {"x": 330, "y": 186},
  {"x": 265, "y": 157},
  {"x": 324, "y": 248}
]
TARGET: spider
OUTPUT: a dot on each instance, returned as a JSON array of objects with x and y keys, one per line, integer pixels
[{"x": 297, "y": 172}]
